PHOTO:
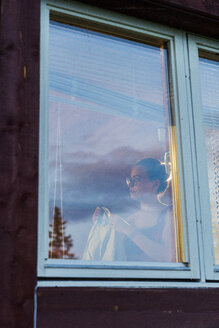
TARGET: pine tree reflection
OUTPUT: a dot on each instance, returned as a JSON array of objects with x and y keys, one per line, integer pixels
[{"x": 59, "y": 244}]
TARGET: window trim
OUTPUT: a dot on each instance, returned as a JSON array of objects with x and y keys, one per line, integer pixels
[
  {"x": 54, "y": 268},
  {"x": 196, "y": 43}
]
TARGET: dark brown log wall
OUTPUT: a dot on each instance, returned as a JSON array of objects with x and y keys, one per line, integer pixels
[
  {"x": 19, "y": 117},
  {"x": 198, "y": 16},
  {"x": 19, "y": 129},
  {"x": 132, "y": 308}
]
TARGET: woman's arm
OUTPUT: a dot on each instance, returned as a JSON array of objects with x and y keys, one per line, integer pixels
[{"x": 160, "y": 252}]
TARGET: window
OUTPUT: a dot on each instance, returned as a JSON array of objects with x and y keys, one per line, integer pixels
[
  {"x": 119, "y": 194},
  {"x": 205, "y": 74},
  {"x": 209, "y": 70}
]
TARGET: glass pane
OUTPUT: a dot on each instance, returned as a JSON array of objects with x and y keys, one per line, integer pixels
[
  {"x": 210, "y": 106},
  {"x": 111, "y": 150}
]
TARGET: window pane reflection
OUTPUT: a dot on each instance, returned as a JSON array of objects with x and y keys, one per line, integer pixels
[
  {"x": 210, "y": 107},
  {"x": 110, "y": 158}
]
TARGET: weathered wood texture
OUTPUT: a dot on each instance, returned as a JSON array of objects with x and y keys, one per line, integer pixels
[
  {"x": 118, "y": 308},
  {"x": 198, "y": 16},
  {"x": 19, "y": 116},
  {"x": 206, "y": 7}
]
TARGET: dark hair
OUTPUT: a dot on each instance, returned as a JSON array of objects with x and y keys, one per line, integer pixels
[{"x": 155, "y": 171}]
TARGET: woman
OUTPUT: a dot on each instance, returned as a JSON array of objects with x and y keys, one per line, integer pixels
[{"x": 148, "y": 233}]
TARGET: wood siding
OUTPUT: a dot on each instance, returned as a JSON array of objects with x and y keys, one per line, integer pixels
[
  {"x": 19, "y": 117},
  {"x": 151, "y": 308}
]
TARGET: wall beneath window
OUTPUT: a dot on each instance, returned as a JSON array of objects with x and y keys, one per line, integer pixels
[
  {"x": 19, "y": 130},
  {"x": 161, "y": 308}
]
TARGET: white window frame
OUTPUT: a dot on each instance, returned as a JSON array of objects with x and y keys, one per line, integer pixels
[{"x": 71, "y": 269}]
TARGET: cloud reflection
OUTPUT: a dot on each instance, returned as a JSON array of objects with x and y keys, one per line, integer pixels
[{"x": 87, "y": 185}]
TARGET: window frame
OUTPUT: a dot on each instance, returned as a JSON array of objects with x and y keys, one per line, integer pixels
[
  {"x": 185, "y": 141},
  {"x": 196, "y": 43}
]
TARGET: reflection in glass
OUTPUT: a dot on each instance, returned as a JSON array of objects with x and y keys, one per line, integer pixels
[
  {"x": 110, "y": 160},
  {"x": 209, "y": 69}
]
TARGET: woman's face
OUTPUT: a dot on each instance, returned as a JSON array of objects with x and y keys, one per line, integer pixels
[{"x": 141, "y": 188}]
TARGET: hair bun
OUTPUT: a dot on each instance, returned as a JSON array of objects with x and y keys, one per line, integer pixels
[{"x": 155, "y": 171}]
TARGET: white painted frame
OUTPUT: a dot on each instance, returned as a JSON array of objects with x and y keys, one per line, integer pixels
[
  {"x": 195, "y": 44},
  {"x": 48, "y": 268}
]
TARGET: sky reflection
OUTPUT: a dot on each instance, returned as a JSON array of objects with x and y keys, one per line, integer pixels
[{"x": 107, "y": 111}]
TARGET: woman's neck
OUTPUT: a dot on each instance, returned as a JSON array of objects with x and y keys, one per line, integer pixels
[
  {"x": 148, "y": 214},
  {"x": 148, "y": 203}
]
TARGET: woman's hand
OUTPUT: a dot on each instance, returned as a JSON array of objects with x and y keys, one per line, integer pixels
[
  {"x": 97, "y": 213},
  {"x": 119, "y": 224}
]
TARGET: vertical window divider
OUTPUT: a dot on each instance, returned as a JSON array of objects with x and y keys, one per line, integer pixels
[
  {"x": 195, "y": 167},
  {"x": 185, "y": 164}
]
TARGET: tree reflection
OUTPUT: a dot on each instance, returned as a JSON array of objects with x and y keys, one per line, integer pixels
[{"x": 59, "y": 243}]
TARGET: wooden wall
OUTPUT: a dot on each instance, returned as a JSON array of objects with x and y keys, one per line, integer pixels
[
  {"x": 198, "y": 16},
  {"x": 19, "y": 130},
  {"x": 19, "y": 117},
  {"x": 132, "y": 308}
]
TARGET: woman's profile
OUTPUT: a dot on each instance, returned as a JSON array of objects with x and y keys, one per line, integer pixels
[{"x": 148, "y": 234}]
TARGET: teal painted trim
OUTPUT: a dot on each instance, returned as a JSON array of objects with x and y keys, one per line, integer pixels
[
  {"x": 200, "y": 257},
  {"x": 35, "y": 308},
  {"x": 127, "y": 24},
  {"x": 112, "y": 265},
  {"x": 194, "y": 44},
  {"x": 43, "y": 208},
  {"x": 128, "y": 284},
  {"x": 98, "y": 15},
  {"x": 184, "y": 153},
  {"x": 193, "y": 218},
  {"x": 118, "y": 273}
]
